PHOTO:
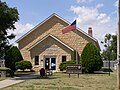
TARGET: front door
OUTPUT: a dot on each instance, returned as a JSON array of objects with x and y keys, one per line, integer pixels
[{"x": 50, "y": 63}]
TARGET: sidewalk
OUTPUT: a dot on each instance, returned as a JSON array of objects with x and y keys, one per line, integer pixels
[{"x": 11, "y": 81}]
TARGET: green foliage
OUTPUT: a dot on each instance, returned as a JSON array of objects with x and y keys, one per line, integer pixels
[
  {"x": 91, "y": 59},
  {"x": 110, "y": 44},
  {"x": 13, "y": 55},
  {"x": 64, "y": 64},
  {"x": 8, "y": 17},
  {"x": 22, "y": 65}
]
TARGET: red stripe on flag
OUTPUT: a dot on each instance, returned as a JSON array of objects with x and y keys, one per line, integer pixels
[{"x": 68, "y": 28}]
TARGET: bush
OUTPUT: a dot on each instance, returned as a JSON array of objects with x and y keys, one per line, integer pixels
[
  {"x": 12, "y": 56},
  {"x": 91, "y": 59},
  {"x": 22, "y": 65},
  {"x": 64, "y": 64}
]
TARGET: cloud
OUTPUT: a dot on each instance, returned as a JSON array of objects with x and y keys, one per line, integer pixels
[
  {"x": 84, "y": 1},
  {"x": 99, "y": 5},
  {"x": 116, "y": 4},
  {"x": 20, "y": 30},
  {"x": 90, "y": 15},
  {"x": 93, "y": 17}
]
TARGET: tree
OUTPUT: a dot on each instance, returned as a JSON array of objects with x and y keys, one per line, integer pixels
[
  {"x": 110, "y": 44},
  {"x": 13, "y": 55},
  {"x": 91, "y": 59},
  {"x": 8, "y": 17},
  {"x": 23, "y": 65}
]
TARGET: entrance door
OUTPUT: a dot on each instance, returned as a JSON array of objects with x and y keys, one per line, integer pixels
[
  {"x": 47, "y": 63},
  {"x": 50, "y": 63}
]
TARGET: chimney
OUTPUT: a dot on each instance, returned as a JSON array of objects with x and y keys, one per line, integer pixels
[{"x": 90, "y": 31}]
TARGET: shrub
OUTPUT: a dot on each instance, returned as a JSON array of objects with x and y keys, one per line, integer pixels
[
  {"x": 12, "y": 56},
  {"x": 91, "y": 59},
  {"x": 64, "y": 64},
  {"x": 22, "y": 65}
]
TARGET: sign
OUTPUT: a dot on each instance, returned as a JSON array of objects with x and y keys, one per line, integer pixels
[{"x": 74, "y": 69}]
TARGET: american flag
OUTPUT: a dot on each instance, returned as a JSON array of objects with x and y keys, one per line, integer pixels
[{"x": 69, "y": 28}]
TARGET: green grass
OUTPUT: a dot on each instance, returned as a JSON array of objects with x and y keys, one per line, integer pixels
[
  {"x": 17, "y": 73},
  {"x": 61, "y": 81},
  {"x": 20, "y": 73}
]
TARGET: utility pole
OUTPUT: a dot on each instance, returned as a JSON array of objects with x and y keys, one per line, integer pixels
[{"x": 118, "y": 46}]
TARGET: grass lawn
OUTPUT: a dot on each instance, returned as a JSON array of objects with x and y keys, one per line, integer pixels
[
  {"x": 17, "y": 73},
  {"x": 61, "y": 81},
  {"x": 20, "y": 73}
]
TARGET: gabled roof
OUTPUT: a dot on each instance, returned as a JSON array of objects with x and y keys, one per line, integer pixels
[
  {"x": 50, "y": 35},
  {"x": 54, "y": 14}
]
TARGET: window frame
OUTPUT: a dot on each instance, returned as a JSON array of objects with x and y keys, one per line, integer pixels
[
  {"x": 36, "y": 62},
  {"x": 64, "y": 58}
]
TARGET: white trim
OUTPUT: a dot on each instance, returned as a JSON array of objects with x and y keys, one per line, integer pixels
[
  {"x": 47, "y": 20},
  {"x": 34, "y": 28},
  {"x": 53, "y": 38},
  {"x": 50, "y": 61},
  {"x": 86, "y": 34},
  {"x": 96, "y": 41}
]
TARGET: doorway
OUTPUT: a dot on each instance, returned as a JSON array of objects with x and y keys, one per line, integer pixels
[{"x": 50, "y": 63}]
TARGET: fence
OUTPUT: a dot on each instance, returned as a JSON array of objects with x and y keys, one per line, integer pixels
[{"x": 112, "y": 63}]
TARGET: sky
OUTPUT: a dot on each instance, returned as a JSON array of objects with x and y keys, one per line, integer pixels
[{"x": 101, "y": 15}]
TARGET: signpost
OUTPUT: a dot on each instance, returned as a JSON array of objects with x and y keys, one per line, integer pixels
[{"x": 74, "y": 69}]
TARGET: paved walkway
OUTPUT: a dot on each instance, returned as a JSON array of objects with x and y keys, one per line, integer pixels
[{"x": 11, "y": 81}]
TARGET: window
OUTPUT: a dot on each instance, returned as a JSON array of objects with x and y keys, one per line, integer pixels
[
  {"x": 36, "y": 60},
  {"x": 63, "y": 58}
]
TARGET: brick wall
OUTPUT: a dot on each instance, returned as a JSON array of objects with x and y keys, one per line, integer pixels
[{"x": 74, "y": 39}]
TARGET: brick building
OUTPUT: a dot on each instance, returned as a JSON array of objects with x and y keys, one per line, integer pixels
[{"x": 46, "y": 46}]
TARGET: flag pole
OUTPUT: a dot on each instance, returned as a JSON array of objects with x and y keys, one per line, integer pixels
[
  {"x": 76, "y": 58},
  {"x": 67, "y": 29},
  {"x": 76, "y": 49}
]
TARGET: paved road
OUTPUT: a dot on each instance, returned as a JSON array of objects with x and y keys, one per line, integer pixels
[{"x": 11, "y": 81}]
